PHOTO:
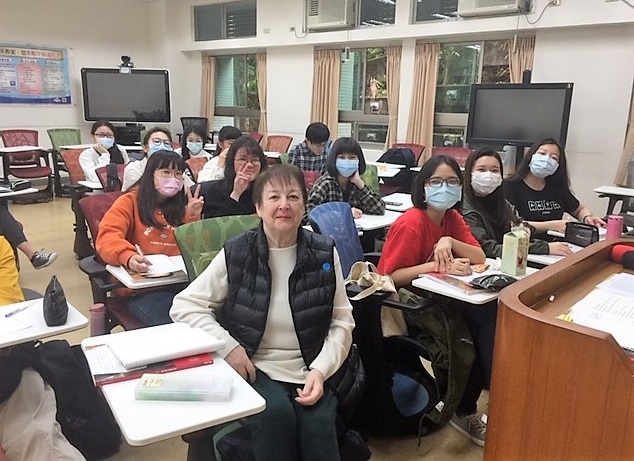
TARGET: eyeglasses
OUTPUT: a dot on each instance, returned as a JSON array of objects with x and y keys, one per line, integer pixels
[
  {"x": 437, "y": 182},
  {"x": 105, "y": 135},
  {"x": 245, "y": 160},
  {"x": 159, "y": 141},
  {"x": 169, "y": 174}
]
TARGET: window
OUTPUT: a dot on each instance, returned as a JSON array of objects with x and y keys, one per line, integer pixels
[
  {"x": 237, "y": 101},
  {"x": 377, "y": 12},
  {"x": 363, "y": 105},
  {"x": 433, "y": 10},
  {"x": 461, "y": 65},
  {"x": 225, "y": 20}
]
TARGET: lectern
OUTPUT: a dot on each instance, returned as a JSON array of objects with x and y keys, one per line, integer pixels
[{"x": 559, "y": 391}]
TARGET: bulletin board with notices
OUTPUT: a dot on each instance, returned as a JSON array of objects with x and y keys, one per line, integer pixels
[{"x": 34, "y": 75}]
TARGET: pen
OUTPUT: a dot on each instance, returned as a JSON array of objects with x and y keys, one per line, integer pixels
[
  {"x": 393, "y": 203},
  {"x": 19, "y": 309},
  {"x": 138, "y": 250}
]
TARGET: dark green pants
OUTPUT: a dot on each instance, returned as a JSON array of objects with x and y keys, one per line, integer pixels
[{"x": 288, "y": 431}]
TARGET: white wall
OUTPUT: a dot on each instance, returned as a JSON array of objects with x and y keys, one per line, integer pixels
[{"x": 97, "y": 33}]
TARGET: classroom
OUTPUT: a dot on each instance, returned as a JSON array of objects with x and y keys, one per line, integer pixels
[{"x": 586, "y": 42}]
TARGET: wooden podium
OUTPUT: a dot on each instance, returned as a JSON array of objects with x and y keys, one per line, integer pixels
[{"x": 559, "y": 391}]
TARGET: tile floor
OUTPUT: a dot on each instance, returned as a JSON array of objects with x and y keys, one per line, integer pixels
[{"x": 50, "y": 225}]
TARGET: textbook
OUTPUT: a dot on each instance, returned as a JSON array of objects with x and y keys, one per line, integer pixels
[
  {"x": 156, "y": 368},
  {"x": 454, "y": 282}
]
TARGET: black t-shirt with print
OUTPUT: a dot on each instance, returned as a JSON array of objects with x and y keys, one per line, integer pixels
[{"x": 547, "y": 204}]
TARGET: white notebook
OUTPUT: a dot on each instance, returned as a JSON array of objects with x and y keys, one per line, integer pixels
[{"x": 171, "y": 343}]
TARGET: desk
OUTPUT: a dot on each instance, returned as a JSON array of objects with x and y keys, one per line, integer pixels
[
  {"x": 38, "y": 329},
  {"x": 614, "y": 194},
  {"x": 13, "y": 150},
  {"x": 398, "y": 201},
  {"x": 30, "y": 190},
  {"x": 547, "y": 260},
  {"x": 368, "y": 222},
  {"x": 90, "y": 185},
  {"x": 434, "y": 286},
  {"x": 559, "y": 390}
]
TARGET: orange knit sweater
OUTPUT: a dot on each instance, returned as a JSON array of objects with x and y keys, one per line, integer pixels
[{"x": 121, "y": 228}]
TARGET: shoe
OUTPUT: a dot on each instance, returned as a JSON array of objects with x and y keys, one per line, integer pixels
[
  {"x": 473, "y": 426},
  {"x": 42, "y": 259}
]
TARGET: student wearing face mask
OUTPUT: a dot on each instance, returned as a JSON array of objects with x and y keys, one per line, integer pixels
[
  {"x": 433, "y": 237},
  {"x": 155, "y": 139},
  {"x": 194, "y": 144},
  {"x": 540, "y": 190},
  {"x": 342, "y": 181},
  {"x": 486, "y": 211},
  {"x": 146, "y": 217},
  {"x": 103, "y": 152}
]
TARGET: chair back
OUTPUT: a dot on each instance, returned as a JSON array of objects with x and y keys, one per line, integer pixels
[
  {"x": 459, "y": 153},
  {"x": 71, "y": 160},
  {"x": 15, "y": 138},
  {"x": 202, "y": 240},
  {"x": 64, "y": 137},
  {"x": 335, "y": 220},
  {"x": 111, "y": 184},
  {"x": 27, "y": 165},
  {"x": 417, "y": 149},
  {"x": 278, "y": 143},
  {"x": 201, "y": 122},
  {"x": 255, "y": 135},
  {"x": 371, "y": 178},
  {"x": 309, "y": 178},
  {"x": 196, "y": 164},
  {"x": 94, "y": 207}
]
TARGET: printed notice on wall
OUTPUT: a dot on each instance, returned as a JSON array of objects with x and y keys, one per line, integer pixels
[{"x": 34, "y": 75}]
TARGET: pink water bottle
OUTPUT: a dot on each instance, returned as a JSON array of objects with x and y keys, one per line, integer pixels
[
  {"x": 615, "y": 227},
  {"x": 97, "y": 319}
]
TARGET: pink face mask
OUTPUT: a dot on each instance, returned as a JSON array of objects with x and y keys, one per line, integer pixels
[{"x": 169, "y": 187}]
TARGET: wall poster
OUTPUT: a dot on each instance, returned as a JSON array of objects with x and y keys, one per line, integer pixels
[{"x": 34, "y": 75}]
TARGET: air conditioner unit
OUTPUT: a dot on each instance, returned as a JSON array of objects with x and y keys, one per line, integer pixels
[
  {"x": 330, "y": 14},
  {"x": 470, "y": 8}
]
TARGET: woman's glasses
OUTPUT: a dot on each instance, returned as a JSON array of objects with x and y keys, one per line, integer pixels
[
  {"x": 105, "y": 135},
  {"x": 245, "y": 160},
  {"x": 169, "y": 174},
  {"x": 437, "y": 182}
]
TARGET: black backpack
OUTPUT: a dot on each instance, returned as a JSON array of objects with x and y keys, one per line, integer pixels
[{"x": 400, "y": 156}]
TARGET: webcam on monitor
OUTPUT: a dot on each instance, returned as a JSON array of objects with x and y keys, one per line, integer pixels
[{"x": 126, "y": 65}]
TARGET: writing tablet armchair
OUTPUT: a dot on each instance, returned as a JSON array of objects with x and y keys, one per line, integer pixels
[{"x": 61, "y": 137}]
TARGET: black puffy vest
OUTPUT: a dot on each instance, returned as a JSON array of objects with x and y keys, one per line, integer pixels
[{"x": 312, "y": 287}]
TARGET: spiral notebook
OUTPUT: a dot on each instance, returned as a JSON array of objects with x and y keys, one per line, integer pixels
[{"x": 172, "y": 343}]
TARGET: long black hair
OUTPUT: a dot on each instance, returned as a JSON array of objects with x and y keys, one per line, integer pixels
[
  {"x": 559, "y": 177},
  {"x": 502, "y": 216},
  {"x": 253, "y": 148},
  {"x": 426, "y": 172},
  {"x": 189, "y": 130},
  {"x": 172, "y": 208}
]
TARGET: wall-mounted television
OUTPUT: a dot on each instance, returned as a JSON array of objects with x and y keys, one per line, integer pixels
[
  {"x": 143, "y": 95},
  {"x": 518, "y": 114}
]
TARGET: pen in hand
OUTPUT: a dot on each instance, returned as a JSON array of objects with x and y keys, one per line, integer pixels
[{"x": 138, "y": 250}]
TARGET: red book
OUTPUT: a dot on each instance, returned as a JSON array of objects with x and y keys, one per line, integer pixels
[{"x": 157, "y": 368}]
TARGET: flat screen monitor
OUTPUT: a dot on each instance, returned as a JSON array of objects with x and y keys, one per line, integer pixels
[
  {"x": 518, "y": 114},
  {"x": 143, "y": 95}
]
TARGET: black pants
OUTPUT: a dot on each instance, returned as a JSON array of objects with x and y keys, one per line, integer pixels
[
  {"x": 481, "y": 321},
  {"x": 9, "y": 227}
]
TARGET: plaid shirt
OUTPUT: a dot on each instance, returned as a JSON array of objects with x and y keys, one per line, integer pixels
[
  {"x": 302, "y": 157},
  {"x": 327, "y": 189}
]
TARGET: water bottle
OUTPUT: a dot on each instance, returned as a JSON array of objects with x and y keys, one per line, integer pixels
[
  {"x": 97, "y": 319},
  {"x": 615, "y": 227}
]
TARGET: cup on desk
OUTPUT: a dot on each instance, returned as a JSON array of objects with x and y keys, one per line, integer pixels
[{"x": 615, "y": 227}]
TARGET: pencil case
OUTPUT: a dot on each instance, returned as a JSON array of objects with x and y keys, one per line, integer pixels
[{"x": 174, "y": 386}]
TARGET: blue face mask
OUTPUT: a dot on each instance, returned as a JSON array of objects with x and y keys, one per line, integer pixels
[
  {"x": 543, "y": 165},
  {"x": 155, "y": 148},
  {"x": 346, "y": 167},
  {"x": 443, "y": 197},
  {"x": 106, "y": 142},
  {"x": 195, "y": 147}
]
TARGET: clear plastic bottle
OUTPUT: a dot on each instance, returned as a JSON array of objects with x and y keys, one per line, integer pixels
[{"x": 97, "y": 319}]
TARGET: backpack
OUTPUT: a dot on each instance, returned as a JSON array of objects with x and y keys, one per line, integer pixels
[{"x": 400, "y": 156}]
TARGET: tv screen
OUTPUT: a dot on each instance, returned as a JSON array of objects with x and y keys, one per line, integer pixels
[
  {"x": 143, "y": 95},
  {"x": 518, "y": 114}
]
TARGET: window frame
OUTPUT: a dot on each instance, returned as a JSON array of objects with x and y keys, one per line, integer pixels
[
  {"x": 223, "y": 12},
  {"x": 235, "y": 111}
]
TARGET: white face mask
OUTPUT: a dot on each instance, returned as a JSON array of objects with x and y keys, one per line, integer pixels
[{"x": 485, "y": 182}]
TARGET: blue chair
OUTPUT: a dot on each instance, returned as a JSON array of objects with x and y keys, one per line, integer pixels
[{"x": 335, "y": 220}]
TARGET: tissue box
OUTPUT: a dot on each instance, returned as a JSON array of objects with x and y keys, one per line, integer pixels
[{"x": 515, "y": 252}]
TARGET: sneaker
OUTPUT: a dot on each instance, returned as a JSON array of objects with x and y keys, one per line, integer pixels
[
  {"x": 42, "y": 259},
  {"x": 473, "y": 426}
]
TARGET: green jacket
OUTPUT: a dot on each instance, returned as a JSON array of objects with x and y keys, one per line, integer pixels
[{"x": 483, "y": 231}]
